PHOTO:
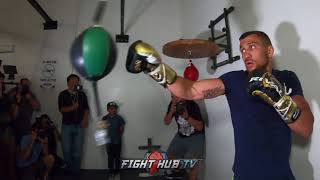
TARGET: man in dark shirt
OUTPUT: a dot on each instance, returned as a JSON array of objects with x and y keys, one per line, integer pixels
[
  {"x": 73, "y": 105},
  {"x": 26, "y": 102},
  {"x": 189, "y": 141},
  {"x": 266, "y": 105},
  {"x": 7, "y": 142},
  {"x": 115, "y": 125}
]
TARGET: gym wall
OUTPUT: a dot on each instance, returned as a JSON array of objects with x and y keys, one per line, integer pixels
[
  {"x": 293, "y": 30},
  {"x": 291, "y": 26}
]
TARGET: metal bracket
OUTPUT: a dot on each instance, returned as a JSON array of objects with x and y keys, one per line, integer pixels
[
  {"x": 226, "y": 47},
  {"x": 49, "y": 23},
  {"x": 122, "y": 38}
]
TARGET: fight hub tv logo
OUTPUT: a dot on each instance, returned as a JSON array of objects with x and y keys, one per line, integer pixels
[{"x": 157, "y": 160}]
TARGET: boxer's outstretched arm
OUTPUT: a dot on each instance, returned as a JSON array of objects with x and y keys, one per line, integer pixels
[{"x": 193, "y": 90}]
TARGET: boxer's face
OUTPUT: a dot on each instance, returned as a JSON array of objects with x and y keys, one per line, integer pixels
[{"x": 255, "y": 53}]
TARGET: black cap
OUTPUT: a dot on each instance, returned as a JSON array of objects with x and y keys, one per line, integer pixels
[{"x": 112, "y": 104}]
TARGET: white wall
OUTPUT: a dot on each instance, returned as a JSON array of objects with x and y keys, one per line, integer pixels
[
  {"x": 292, "y": 27},
  {"x": 143, "y": 102}
]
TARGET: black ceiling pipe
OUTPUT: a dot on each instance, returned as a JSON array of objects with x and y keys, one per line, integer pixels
[
  {"x": 49, "y": 23},
  {"x": 122, "y": 38}
]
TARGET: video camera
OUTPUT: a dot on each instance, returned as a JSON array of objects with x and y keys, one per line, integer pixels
[
  {"x": 11, "y": 71},
  {"x": 181, "y": 107},
  {"x": 43, "y": 132},
  {"x": 49, "y": 123}
]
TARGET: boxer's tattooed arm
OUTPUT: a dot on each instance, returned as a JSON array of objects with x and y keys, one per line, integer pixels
[{"x": 211, "y": 93}]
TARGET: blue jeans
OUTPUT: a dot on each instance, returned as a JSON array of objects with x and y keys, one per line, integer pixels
[{"x": 72, "y": 141}]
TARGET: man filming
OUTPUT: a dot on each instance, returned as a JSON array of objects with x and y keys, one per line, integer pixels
[
  {"x": 7, "y": 143},
  {"x": 25, "y": 103},
  {"x": 33, "y": 157}
]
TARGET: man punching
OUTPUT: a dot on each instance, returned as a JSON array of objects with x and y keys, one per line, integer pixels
[{"x": 265, "y": 104}]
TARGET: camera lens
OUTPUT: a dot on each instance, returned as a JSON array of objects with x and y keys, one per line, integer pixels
[{"x": 181, "y": 107}]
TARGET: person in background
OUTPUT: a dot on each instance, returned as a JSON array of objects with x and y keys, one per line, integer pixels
[
  {"x": 73, "y": 105},
  {"x": 33, "y": 159},
  {"x": 115, "y": 125},
  {"x": 189, "y": 141},
  {"x": 7, "y": 141},
  {"x": 46, "y": 128},
  {"x": 25, "y": 104}
]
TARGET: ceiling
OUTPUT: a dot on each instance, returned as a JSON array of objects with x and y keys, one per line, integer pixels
[{"x": 19, "y": 19}]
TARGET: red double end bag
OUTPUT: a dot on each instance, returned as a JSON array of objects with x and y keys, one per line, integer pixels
[{"x": 191, "y": 72}]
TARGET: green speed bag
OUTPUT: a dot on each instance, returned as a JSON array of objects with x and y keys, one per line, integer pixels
[{"x": 90, "y": 53}]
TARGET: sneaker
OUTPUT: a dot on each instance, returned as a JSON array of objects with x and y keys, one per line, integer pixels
[
  {"x": 174, "y": 175},
  {"x": 116, "y": 177},
  {"x": 110, "y": 175}
]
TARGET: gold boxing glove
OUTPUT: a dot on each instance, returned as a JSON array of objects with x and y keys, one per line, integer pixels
[
  {"x": 143, "y": 57},
  {"x": 268, "y": 88}
]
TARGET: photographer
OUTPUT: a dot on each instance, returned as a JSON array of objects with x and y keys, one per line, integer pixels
[
  {"x": 73, "y": 105},
  {"x": 33, "y": 157},
  {"x": 7, "y": 142},
  {"x": 188, "y": 143},
  {"x": 25, "y": 104},
  {"x": 46, "y": 128}
]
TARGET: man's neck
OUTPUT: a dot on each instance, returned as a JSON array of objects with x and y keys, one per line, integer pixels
[
  {"x": 269, "y": 66},
  {"x": 269, "y": 69},
  {"x": 112, "y": 115},
  {"x": 71, "y": 91}
]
